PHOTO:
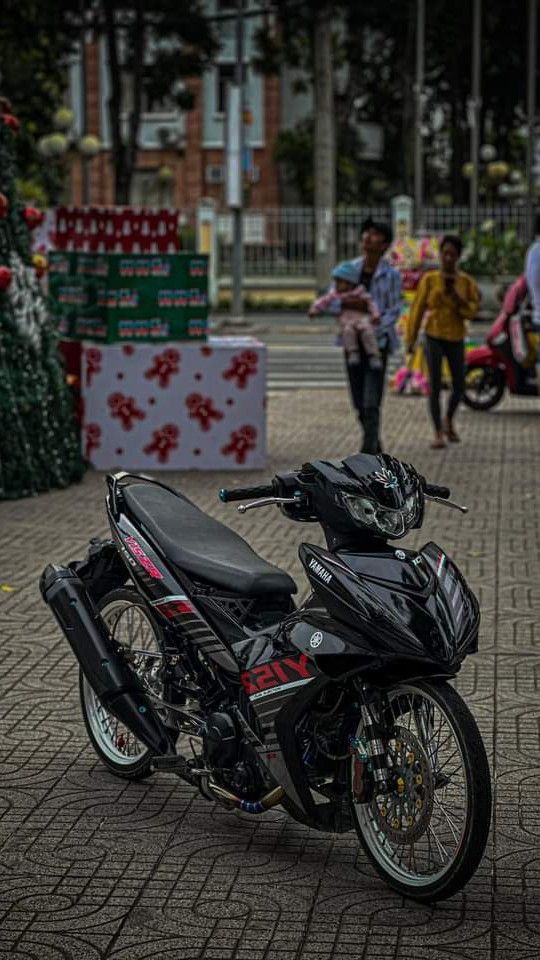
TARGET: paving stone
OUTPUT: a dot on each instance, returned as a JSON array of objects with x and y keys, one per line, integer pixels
[{"x": 94, "y": 868}]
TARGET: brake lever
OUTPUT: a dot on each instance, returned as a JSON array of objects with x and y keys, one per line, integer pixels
[
  {"x": 447, "y": 503},
  {"x": 265, "y": 502}
]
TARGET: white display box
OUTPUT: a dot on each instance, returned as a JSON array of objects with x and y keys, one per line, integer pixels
[{"x": 175, "y": 406}]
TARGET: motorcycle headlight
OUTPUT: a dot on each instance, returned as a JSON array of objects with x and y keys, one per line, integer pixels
[{"x": 383, "y": 520}]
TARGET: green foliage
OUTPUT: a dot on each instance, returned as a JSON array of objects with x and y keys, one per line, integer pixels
[
  {"x": 375, "y": 42},
  {"x": 355, "y": 183},
  {"x": 39, "y": 447},
  {"x": 32, "y": 192},
  {"x": 34, "y": 48},
  {"x": 487, "y": 253}
]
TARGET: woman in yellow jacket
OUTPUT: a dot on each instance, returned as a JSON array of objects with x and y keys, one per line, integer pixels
[{"x": 445, "y": 300}]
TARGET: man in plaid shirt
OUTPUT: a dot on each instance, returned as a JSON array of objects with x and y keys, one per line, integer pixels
[{"x": 383, "y": 282}]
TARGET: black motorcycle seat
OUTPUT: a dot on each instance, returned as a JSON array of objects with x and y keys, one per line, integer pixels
[{"x": 201, "y": 546}]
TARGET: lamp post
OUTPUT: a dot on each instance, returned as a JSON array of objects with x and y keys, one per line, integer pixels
[
  {"x": 474, "y": 105},
  {"x": 419, "y": 109},
  {"x": 531, "y": 118}
]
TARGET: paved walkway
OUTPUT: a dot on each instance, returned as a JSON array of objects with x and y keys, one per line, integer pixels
[{"x": 92, "y": 867}]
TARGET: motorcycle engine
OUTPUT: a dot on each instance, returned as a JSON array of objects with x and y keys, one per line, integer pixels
[{"x": 231, "y": 758}]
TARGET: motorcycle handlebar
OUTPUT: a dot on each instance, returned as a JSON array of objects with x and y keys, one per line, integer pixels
[
  {"x": 246, "y": 493},
  {"x": 432, "y": 490}
]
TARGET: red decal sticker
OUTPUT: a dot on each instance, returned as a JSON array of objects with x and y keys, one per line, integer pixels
[
  {"x": 264, "y": 677},
  {"x": 145, "y": 561},
  {"x": 300, "y": 666},
  {"x": 248, "y": 686}
]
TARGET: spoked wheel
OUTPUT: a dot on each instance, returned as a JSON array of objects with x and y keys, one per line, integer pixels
[
  {"x": 131, "y": 625},
  {"x": 484, "y": 387},
  {"x": 427, "y": 834}
]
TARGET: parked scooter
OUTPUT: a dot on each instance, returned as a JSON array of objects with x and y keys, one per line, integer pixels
[{"x": 506, "y": 361}]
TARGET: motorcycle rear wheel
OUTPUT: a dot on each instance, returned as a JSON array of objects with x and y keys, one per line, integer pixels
[
  {"x": 484, "y": 387},
  {"x": 132, "y": 625},
  {"x": 427, "y": 841}
]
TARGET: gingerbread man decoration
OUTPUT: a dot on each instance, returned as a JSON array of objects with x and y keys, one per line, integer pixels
[
  {"x": 92, "y": 439},
  {"x": 93, "y": 364},
  {"x": 202, "y": 409},
  {"x": 165, "y": 365},
  {"x": 242, "y": 367},
  {"x": 125, "y": 409},
  {"x": 163, "y": 442},
  {"x": 240, "y": 443}
]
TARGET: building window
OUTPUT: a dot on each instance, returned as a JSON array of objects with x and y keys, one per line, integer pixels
[{"x": 147, "y": 191}]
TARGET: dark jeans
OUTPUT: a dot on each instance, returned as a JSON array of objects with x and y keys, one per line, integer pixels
[
  {"x": 454, "y": 351},
  {"x": 367, "y": 388}
]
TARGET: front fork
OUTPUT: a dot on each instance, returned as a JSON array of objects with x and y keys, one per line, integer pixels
[{"x": 373, "y": 768}]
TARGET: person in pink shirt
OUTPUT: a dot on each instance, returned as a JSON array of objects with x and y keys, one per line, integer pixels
[{"x": 357, "y": 327}]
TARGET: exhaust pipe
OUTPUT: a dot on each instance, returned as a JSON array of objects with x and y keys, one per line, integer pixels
[
  {"x": 114, "y": 683},
  {"x": 247, "y": 806}
]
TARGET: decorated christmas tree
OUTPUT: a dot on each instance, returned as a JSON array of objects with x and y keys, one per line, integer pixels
[{"x": 39, "y": 447}]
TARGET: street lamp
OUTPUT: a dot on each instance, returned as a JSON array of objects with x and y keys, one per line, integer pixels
[
  {"x": 55, "y": 145},
  {"x": 495, "y": 171}
]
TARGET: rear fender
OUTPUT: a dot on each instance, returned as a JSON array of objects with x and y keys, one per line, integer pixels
[
  {"x": 481, "y": 357},
  {"x": 103, "y": 569}
]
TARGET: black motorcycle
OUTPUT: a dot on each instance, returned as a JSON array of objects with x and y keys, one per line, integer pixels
[{"x": 195, "y": 660}]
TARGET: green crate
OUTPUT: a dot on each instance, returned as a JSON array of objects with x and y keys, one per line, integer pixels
[{"x": 116, "y": 297}]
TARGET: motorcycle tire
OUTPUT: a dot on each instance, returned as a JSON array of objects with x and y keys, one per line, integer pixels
[
  {"x": 492, "y": 384},
  {"x": 117, "y": 748},
  {"x": 395, "y": 843}
]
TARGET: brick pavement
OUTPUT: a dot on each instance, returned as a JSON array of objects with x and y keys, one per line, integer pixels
[{"x": 92, "y": 867}]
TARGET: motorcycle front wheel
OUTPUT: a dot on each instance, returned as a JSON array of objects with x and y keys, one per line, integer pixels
[
  {"x": 484, "y": 387},
  {"x": 427, "y": 833}
]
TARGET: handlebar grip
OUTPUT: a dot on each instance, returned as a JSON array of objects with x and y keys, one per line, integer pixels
[
  {"x": 432, "y": 490},
  {"x": 246, "y": 493}
]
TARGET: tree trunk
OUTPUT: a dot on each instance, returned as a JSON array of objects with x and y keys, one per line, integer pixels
[
  {"x": 324, "y": 149},
  {"x": 124, "y": 154}
]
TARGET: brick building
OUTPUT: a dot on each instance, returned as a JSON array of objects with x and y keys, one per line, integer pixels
[{"x": 190, "y": 143}]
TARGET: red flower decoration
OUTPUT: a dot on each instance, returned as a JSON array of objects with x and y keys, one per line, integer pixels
[
  {"x": 11, "y": 122},
  {"x": 242, "y": 367},
  {"x": 93, "y": 364},
  {"x": 125, "y": 409},
  {"x": 93, "y": 438},
  {"x": 32, "y": 217},
  {"x": 165, "y": 365},
  {"x": 5, "y": 277},
  {"x": 202, "y": 409},
  {"x": 163, "y": 442},
  {"x": 4, "y": 206},
  {"x": 240, "y": 443}
]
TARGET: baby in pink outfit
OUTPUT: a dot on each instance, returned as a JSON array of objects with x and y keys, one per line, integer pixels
[{"x": 356, "y": 326}]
